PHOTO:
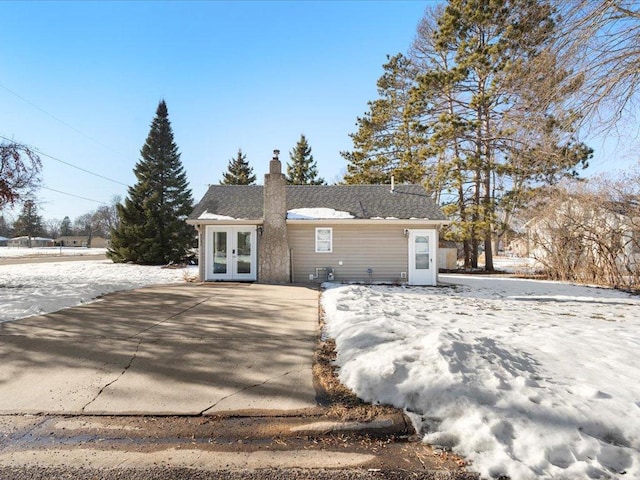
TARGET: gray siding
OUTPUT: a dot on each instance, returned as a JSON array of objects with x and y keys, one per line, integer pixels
[{"x": 383, "y": 248}]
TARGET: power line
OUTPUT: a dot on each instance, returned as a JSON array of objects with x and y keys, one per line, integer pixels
[
  {"x": 58, "y": 119},
  {"x": 40, "y": 152},
  {"x": 73, "y": 195},
  {"x": 80, "y": 168}
]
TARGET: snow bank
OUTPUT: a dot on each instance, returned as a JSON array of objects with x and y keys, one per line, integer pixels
[
  {"x": 527, "y": 379},
  {"x": 37, "y": 288},
  {"x": 316, "y": 214}
]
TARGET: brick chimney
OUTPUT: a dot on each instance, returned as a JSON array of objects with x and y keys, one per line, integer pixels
[{"x": 274, "y": 264}]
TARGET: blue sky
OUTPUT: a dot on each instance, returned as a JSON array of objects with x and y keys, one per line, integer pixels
[{"x": 81, "y": 82}]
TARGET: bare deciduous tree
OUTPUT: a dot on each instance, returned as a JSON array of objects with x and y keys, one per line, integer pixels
[
  {"x": 19, "y": 170},
  {"x": 85, "y": 224},
  {"x": 52, "y": 227},
  {"x": 589, "y": 232},
  {"x": 105, "y": 217},
  {"x": 600, "y": 40}
]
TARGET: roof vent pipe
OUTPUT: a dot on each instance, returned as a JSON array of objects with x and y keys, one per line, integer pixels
[
  {"x": 275, "y": 166},
  {"x": 393, "y": 184}
]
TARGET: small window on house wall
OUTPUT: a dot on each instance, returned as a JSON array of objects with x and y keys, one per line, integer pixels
[{"x": 324, "y": 240}]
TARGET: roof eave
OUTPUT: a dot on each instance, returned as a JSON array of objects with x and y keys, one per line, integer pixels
[{"x": 208, "y": 221}]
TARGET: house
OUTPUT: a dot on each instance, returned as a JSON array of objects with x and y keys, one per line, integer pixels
[
  {"x": 588, "y": 239},
  {"x": 3, "y": 241},
  {"x": 279, "y": 233},
  {"x": 29, "y": 242},
  {"x": 82, "y": 241}
]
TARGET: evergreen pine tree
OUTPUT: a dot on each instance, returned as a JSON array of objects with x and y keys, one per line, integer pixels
[
  {"x": 303, "y": 169},
  {"x": 238, "y": 172},
  {"x": 477, "y": 113},
  {"x": 390, "y": 140},
  {"x": 29, "y": 223},
  {"x": 152, "y": 227},
  {"x": 5, "y": 228},
  {"x": 65, "y": 227}
]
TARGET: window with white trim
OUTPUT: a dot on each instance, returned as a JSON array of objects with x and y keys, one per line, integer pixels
[{"x": 324, "y": 240}]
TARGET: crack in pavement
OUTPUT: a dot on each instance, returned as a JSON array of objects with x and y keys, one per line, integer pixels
[
  {"x": 249, "y": 388},
  {"x": 172, "y": 316},
  {"x": 135, "y": 354},
  {"x": 124, "y": 370}
]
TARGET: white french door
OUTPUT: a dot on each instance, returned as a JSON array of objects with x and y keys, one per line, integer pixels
[
  {"x": 230, "y": 253},
  {"x": 422, "y": 257}
]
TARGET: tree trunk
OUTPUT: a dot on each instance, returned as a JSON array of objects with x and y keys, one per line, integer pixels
[
  {"x": 488, "y": 220},
  {"x": 495, "y": 243},
  {"x": 488, "y": 254},
  {"x": 466, "y": 245}
]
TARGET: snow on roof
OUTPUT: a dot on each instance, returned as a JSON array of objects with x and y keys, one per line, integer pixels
[
  {"x": 316, "y": 214},
  {"x": 213, "y": 216},
  {"x": 24, "y": 237},
  {"x": 2, "y": 239}
]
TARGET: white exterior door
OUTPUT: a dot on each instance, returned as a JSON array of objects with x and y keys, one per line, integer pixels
[
  {"x": 230, "y": 253},
  {"x": 422, "y": 257}
]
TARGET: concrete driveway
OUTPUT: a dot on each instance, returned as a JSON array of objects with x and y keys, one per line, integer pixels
[{"x": 177, "y": 349}]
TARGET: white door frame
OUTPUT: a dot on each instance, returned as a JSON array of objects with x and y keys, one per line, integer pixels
[
  {"x": 423, "y": 265},
  {"x": 233, "y": 258}
]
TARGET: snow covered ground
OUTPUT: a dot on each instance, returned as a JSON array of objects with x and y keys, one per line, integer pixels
[
  {"x": 517, "y": 265},
  {"x": 524, "y": 378},
  {"x": 16, "y": 252},
  {"x": 36, "y": 288}
]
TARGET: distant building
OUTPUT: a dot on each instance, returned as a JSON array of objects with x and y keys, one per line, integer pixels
[
  {"x": 447, "y": 255},
  {"x": 29, "y": 242},
  {"x": 3, "y": 241},
  {"x": 82, "y": 241}
]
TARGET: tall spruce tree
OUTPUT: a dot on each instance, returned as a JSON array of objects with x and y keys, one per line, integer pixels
[
  {"x": 238, "y": 171},
  {"x": 303, "y": 169},
  {"x": 152, "y": 227},
  {"x": 29, "y": 223}
]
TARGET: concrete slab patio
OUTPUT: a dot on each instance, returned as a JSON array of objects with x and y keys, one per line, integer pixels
[
  {"x": 136, "y": 385},
  {"x": 180, "y": 349}
]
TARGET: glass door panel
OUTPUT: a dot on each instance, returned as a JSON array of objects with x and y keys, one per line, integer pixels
[
  {"x": 422, "y": 252},
  {"x": 220, "y": 252},
  {"x": 243, "y": 260}
]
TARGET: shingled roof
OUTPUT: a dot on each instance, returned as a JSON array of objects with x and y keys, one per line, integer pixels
[{"x": 362, "y": 201}]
